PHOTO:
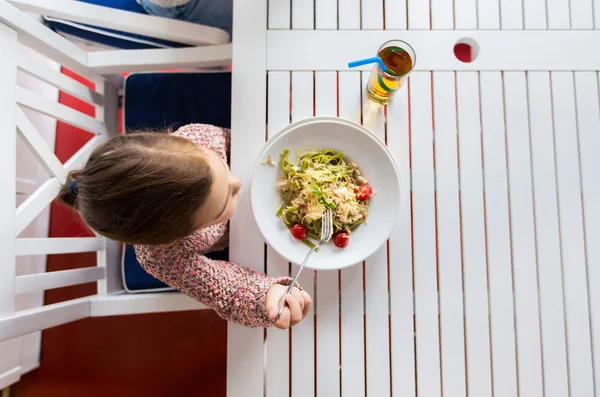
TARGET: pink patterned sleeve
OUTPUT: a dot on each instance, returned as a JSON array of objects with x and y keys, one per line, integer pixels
[
  {"x": 209, "y": 136},
  {"x": 236, "y": 293},
  {"x": 206, "y": 239}
]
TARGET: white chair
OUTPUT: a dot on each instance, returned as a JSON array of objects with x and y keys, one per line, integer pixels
[
  {"x": 19, "y": 35},
  {"x": 211, "y": 46}
]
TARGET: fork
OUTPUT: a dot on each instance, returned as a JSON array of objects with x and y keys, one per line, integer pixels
[{"x": 326, "y": 233}]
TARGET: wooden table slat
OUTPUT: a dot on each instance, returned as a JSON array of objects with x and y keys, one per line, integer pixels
[
  {"x": 523, "y": 247},
  {"x": 327, "y": 292},
  {"x": 588, "y": 123},
  {"x": 572, "y": 235},
  {"x": 278, "y": 354},
  {"x": 500, "y": 272},
  {"x": 376, "y": 285},
  {"x": 401, "y": 258},
  {"x": 303, "y": 335},
  {"x": 351, "y": 279},
  {"x": 449, "y": 256},
  {"x": 558, "y": 14},
  {"x": 424, "y": 236},
  {"x": 550, "y": 276},
  {"x": 473, "y": 237},
  {"x": 465, "y": 14}
]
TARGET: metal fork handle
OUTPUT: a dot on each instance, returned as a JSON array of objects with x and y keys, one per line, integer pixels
[{"x": 281, "y": 302}]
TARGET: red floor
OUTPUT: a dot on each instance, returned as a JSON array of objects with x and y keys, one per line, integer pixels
[{"x": 164, "y": 354}]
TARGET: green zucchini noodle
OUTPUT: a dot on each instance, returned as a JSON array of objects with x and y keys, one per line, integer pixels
[{"x": 321, "y": 180}]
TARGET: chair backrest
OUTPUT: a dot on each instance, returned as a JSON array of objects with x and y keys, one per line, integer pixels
[
  {"x": 19, "y": 35},
  {"x": 125, "y": 21}
]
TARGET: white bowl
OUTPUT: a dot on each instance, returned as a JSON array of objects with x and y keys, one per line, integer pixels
[{"x": 359, "y": 145}]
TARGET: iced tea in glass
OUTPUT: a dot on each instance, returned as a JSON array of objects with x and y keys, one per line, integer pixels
[{"x": 399, "y": 58}]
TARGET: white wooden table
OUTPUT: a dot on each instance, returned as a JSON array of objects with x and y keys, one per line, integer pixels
[{"x": 490, "y": 285}]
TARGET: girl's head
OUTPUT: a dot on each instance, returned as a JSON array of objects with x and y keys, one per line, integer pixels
[{"x": 151, "y": 188}]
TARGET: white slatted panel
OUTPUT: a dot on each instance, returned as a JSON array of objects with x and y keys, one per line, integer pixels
[
  {"x": 442, "y": 14},
  {"x": 511, "y": 14},
  {"x": 452, "y": 335},
  {"x": 424, "y": 236},
  {"x": 596, "y": 14},
  {"x": 245, "y": 347},
  {"x": 278, "y": 352},
  {"x": 327, "y": 294},
  {"x": 418, "y": 15},
  {"x": 523, "y": 236},
  {"x": 353, "y": 330},
  {"x": 588, "y": 118},
  {"x": 303, "y": 339},
  {"x": 395, "y": 14},
  {"x": 401, "y": 261},
  {"x": 473, "y": 237},
  {"x": 303, "y": 14},
  {"x": 38, "y": 146},
  {"x": 44, "y": 281},
  {"x": 572, "y": 237},
  {"x": 558, "y": 14},
  {"x": 376, "y": 286},
  {"x": 349, "y": 14},
  {"x": 326, "y": 14},
  {"x": 57, "y": 79},
  {"x": 31, "y": 320},
  {"x": 279, "y": 14},
  {"x": 36, "y": 203},
  {"x": 488, "y": 14},
  {"x": 552, "y": 316},
  {"x": 8, "y": 161},
  {"x": 465, "y": 14},
  {"x": 57, "y": 245},
  {"x": 60, "y": 112},
  {"x": 582, "y": 14},
  {"x": 502, "y": 324},
  {"x": 372, "y": 14},
  {"x": 534, "y": 14}
]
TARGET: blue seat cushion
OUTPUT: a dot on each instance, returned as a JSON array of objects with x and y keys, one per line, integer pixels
[
  {"x": 162, "y": 100},
  {"x": 136, "y": 279},
  {"x": 154, "y": 101},
  {"x": 109, "y": 37}
]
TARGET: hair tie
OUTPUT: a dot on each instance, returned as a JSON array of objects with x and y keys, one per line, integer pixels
[{"x": 74, "y": 189}]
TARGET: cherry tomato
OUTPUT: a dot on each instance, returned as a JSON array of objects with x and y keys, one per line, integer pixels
[
  {"x": 341, "y": 239},
  {"x": 364, "y": 192},
  {"x": 299, "y": 231}
]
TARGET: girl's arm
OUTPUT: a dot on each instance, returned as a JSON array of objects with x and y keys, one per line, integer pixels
[
  {"x": 205, "y": 240},
  {"x": 236, "y": 293}
]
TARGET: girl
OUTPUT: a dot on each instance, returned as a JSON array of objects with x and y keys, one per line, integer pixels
[{"x": 171, "y": 195}]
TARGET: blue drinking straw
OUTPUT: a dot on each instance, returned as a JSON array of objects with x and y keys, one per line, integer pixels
[{"x": 368, "y": 61}]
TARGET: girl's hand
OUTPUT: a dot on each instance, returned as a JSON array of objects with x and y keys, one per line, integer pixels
[{"x": 298, "y": 306}]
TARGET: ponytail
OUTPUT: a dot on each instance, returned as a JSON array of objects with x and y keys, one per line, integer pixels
[{"x": 69, "y": 191}]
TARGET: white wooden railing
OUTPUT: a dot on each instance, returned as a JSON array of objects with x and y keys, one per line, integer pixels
[{"x": 19, "y": 30}]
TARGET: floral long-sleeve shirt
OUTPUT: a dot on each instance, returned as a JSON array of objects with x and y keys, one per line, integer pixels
[{"x": 236, "y": 293}]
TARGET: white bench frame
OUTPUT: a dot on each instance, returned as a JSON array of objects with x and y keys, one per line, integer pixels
[{"x": 18, "y": 29}]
